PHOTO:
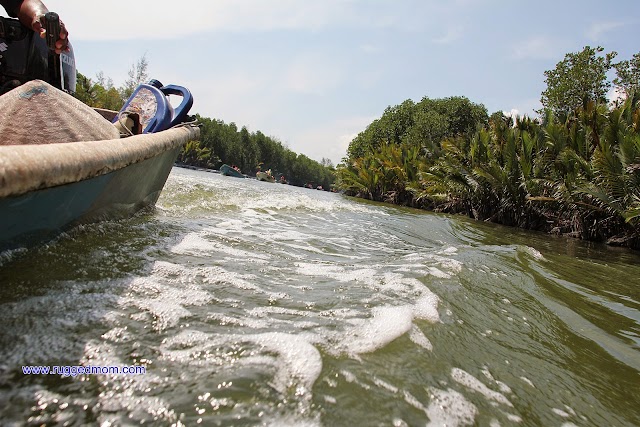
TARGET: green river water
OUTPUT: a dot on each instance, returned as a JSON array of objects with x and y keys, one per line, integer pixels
[{"x": 253, "y": 304}]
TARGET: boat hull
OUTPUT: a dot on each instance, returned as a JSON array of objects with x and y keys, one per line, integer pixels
[
  {"x": 229, "y": 171},
  {"x": 263, "y": 176},
  {"x": 41, "y": 214}
]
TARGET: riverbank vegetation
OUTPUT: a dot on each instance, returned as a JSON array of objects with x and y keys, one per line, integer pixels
[
  {"x": 224, "y": 143},
  {"x": 220, "y": 142},
  {"x": 574, "y": 170}
]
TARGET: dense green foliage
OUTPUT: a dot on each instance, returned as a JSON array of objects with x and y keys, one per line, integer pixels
[
  {"x": 224, "y": 143},
  {"x": 425, "y": 123},
  {"x": 578, "y": 79},
  {"x": 628, "y": 75},
  {"x": 220, "y": 143},
  {"x": 575, "y": 173}
]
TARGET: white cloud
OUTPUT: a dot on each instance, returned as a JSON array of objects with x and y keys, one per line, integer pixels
[
  {"x": 163, "y": 19},
  {"x": 598, "y": 29}
]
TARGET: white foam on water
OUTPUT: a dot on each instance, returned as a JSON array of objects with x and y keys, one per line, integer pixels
[
  {"x": 245, "y": 322},
  {"x": 533, "y": 252},
  {"x": 487, "y": 373},
  {"x": 418, "y": 338},
  {"x": 196, "y": 245},
  {"x": 387, "y": 324},
  {"x": 474, "y": 384},
  {"x": 285, "y": 236},
  {"x": 337, "y": 273},
  {"x": 43, "y": 329},
  {"x": 449, "y": 264},
  {"x": 383, "y": 384},
  {"x": 306, "y": 248},
  {"x": 560, "y": 412},
  {"x": 514, "y": 418},
  {"x": 450, "y": 408},
  {"x": 436, "y": 272},
  {"x": 298, "y": 359},
  {"x": 449, "y": 250},
  {"x": 351, "y": 378},
  {"x": 528, "y": 381},
  {"x": 256, "y": 215},
  {"x": 177, "y": 274},
  {"x": 182, "y": 346},
  {"x": 125, "y": 393},
  {"x": 9, "y": 254},
  {"x": 297, "y": 362},
  {"x": 267, "y": 318},
  {"x": 398, "y": 422},
  {"x": 426, "y": 307},
  {"x": 166, "y": 303},
  {"x": 291, "y": 421},
  {"x": 229, "y": 225},
  {"x": 413, "y": 401},
  {"x": 268, "y": 311},
  {"x": 192, "y": 244},
  {"x": 388, "y": 320},
  {"x": 330, "y": 399},
  {"x": 502, "y": 386}
]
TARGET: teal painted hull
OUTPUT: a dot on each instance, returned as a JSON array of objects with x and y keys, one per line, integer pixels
[
  {"x": 229, "y": 171},
  {"x": 39, "y": 215},
  {"x": 43, "y": 214}
]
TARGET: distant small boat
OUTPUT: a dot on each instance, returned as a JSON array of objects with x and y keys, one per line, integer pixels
[
  {"x": 264, "y": 176},
  {"x": 229, "y": 171}
]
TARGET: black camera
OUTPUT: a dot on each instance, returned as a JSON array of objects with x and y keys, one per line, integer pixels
[{"x": 24, "y": 56}]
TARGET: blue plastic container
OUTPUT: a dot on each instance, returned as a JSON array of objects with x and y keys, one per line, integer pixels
[{"x": 151, "y": 102}]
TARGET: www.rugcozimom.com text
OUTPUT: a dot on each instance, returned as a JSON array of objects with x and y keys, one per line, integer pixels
[{"x": 72, "y": 371}]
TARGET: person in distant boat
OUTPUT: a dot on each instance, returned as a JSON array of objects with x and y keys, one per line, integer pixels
[{"x": 31, "y": 15}]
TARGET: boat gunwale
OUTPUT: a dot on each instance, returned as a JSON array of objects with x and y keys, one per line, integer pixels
[{"x": 25, "y": 168}]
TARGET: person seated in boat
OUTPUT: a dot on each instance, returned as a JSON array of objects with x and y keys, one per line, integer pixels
[{"x": 31, "y": 15}]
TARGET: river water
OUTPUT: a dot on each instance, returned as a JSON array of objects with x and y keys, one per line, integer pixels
[{"x": 252, "y": 303}]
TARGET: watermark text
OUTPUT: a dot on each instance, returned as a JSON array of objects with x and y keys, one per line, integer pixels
[{"x": 72, "y": 371}]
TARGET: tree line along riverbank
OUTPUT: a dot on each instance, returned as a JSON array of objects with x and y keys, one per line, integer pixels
[{"x": 574, "y": 170}]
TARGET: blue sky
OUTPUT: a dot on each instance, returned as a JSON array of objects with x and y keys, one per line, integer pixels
[{"x": 315, "y": 73}]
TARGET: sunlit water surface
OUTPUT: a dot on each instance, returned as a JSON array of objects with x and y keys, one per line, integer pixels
[{"x": 252, "y": 303}]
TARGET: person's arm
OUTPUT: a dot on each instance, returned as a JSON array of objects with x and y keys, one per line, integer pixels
[{"x": 31, "y": 14}]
